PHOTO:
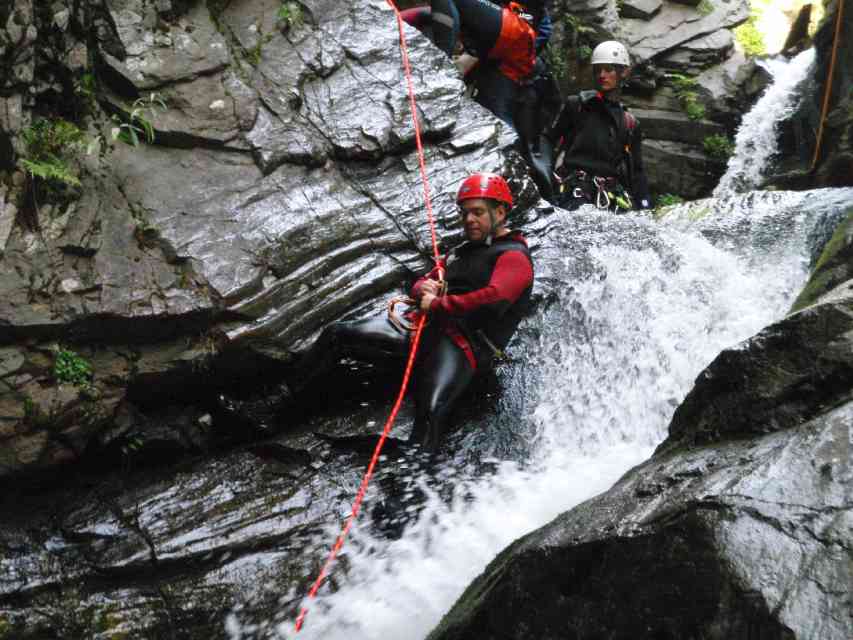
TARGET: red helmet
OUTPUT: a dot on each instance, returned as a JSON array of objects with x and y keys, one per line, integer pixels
[{"x": 485, "y": 185}]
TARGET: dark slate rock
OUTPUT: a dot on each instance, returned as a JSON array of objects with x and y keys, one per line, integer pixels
[
  {"x": 677, "y": 24},
  {"x": 681, "y": 168},
  {"x": 833, "y": 267},
  {"x": 640, "y": 9},
  {"x": 693, "y": 543}
]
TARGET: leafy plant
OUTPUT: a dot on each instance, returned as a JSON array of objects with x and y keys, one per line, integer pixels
[
  {"x": 750, "y": 37},
  {"x": 694, "y": 109},
  {"x": 290, "y": 15},
  {"x": 685, "y": 91},
  {"x": 705, "y": 7},
  {"x": 71, "y": 368},
  {"x": 584, "y": 52},
  {"x": 575, "y": 25},
  {"x": 718, "y": 146},
  {"x": 50, "y": 146},
  {"x": 86, "y": 88},
  {"x": 668, "y": 199},
  {"x": 556, "y": 62},
  {"x": 131, "y": 445},
  {"x": 137, "y": 127}
]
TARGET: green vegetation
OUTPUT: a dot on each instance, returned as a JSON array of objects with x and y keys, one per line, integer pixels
[
  {"x": 748, "y": 35},
  {"x": 718, "y": 146},
  {"x": 86, "y": 88},
  {"x": 705, "y": 7},
  {"x": 5, "y": 628},
  {"x": 556, "y": 60},
  {"x": 577, "y": 40},
  {"x": 71, "y": 368},
  {"x": 667, "y": 200},
  {"x": 136, "y": 126},
  {"x": 290, "y": 15},
  {"x": 685, "y": 90},
  {"x": 51, "y": 146},
  {"x": 832, "y": 267}
]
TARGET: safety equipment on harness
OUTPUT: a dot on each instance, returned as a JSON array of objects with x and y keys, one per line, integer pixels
[
  {"x": 611, "y": 52},
  {"x": 485, "y": 185},
  {"x": 606, "y": 193}
]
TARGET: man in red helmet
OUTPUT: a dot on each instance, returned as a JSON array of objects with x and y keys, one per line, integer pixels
[{"x": 475, "y": 297}]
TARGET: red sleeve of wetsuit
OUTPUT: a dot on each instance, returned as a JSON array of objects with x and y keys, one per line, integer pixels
[
  {"x": 512, "y": 275},
  {"x": 415, "y": 291},
  {"x": 417, "y": 17}
]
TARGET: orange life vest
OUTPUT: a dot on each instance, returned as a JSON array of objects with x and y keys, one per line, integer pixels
[{"x": 515, "y": 50}]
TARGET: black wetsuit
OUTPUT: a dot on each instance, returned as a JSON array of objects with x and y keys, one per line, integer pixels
[
  {"x": 503, "y": 42},
  {"x": 598, "y": 141},
  {"x": 488, "y": 291}
]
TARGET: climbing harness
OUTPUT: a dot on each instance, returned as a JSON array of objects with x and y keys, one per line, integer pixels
[
  {"x": 405, "y": 322},
  {"x": 606, "y": 193},
  {"x": 417, "y": 331}
]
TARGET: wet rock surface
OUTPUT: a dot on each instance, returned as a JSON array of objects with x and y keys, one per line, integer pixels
[
  {"x": 693, "y": 542},
  {"x": 738, "y": 525},
  {"x": 281, "y": 192},
  {"x": 200, "y": 525},
  {"x": 176, "y": 283}
]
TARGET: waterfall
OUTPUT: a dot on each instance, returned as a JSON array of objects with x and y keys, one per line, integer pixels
[
  {"x": 756, "y": 139},
  {"x": 637, "y": 309}
]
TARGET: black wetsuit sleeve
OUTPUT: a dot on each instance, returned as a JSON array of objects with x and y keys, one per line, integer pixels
[
  {"x": 640, "y": 182},
  {"x": 565, "y": 123}
]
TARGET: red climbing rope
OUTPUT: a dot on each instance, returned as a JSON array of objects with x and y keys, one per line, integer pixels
[{"x": 416, "y": 338}]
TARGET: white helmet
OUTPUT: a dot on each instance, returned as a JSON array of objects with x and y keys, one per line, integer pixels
[{"x": 611, "y": 52}]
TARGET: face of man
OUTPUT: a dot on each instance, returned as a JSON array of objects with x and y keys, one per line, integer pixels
[
  {"x": 481, "y": 219},
  {"x": 609, "y": 76}
]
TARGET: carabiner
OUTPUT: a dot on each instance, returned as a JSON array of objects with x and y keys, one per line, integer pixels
[{"x": 602, "y": 195}]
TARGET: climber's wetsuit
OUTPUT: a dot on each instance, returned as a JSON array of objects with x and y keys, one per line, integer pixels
[
  {"x": 598, "y": 148},
  {"x": 488, "y": 289},
  {"x": 502, "y": 40}
]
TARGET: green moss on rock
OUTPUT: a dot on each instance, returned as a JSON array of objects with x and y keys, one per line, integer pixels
[{"x": 834, "y": 266}]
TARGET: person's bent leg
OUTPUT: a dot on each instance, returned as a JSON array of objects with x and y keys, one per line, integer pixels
[
  {"x": 496, "y": 92},
  {"x": 369, "y": 340},
  {"x": 442, "y": 377}
]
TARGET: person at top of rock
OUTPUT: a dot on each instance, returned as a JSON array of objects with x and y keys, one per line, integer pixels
[
  {"x": 474, "y": 310},
  {"x": 597, "y": 142},
  {"x": 494, "y": 44}
]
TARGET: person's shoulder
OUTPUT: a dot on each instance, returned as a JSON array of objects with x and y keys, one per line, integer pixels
[
  {"x": 514, "y": 240},
  {"x": 588, "y": 96}
]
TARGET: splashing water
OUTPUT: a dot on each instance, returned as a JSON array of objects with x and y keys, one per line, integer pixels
[
  {"x": 756, "y": 139},
  {"x": 636, "y": 310}
]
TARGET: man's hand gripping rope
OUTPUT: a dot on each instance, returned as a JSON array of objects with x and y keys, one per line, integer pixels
[{"x": 429, "y": 290}]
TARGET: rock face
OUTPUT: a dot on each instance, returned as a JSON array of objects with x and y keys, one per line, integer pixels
[
  {"x": 281, "y": 192},
  {"x": 835, "y": 166},
  {"x": 739, "y": 526},
  {"x": 669, "y": 41},
  {"x": 832, "y": 272}
]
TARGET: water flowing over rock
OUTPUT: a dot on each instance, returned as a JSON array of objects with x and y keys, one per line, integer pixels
[
  {"x": 756, "y": 140},
  {"x": 738, "y": 524},
  {"x": 147, "y": 318}
]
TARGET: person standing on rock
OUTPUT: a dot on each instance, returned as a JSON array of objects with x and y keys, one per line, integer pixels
[
  {"x": 598, "y": 142},
  {"x": 473, "y": 310},
  {"x": 498, "y": 44}
]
